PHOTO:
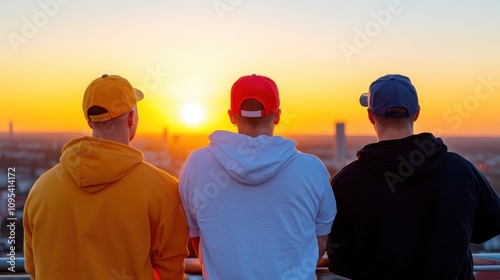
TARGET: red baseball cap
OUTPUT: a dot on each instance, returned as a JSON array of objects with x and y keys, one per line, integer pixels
[{"x": 257, "y": 87}]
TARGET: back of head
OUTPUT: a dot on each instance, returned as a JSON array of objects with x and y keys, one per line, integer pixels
[
  {"x": 393, "y": 101},
  {"x": 254, "y": 104},
  {"x": 106, "y": 102},
  {"x": 112, "y": 95}
]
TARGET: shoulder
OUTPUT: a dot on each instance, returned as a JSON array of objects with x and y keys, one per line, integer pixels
[
  {"x": 308, "y": 165},
  {"x": 156, "y": 181},
  {"x": 57, "y": 174},
  {"x": 155, "y": 171},
  {"x": 46, "y": 185},
  {"x": 348, "y": 175},
  {"x": 312, "y": 160},
  {"x": 457, "y": 163},
  {"x": 199, "y": 158},
  {"x": 454, "y": 157},
  {"x": 308, "y": 169},
  {"x": 199, "y": 153},
  {"x": 351, "y": 170}
]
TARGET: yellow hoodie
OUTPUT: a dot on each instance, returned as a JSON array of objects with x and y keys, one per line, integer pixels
[{"x": 104, "y": 213}]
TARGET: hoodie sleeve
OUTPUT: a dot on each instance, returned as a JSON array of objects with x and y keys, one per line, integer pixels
[
  {"x": 487, "y": 220},
  {"x": 171, "y": 239},
  {"x": 185, "y": 193},
  {"x": 341, "y": 246},
  {"x": 29, "y": 264},
  {"x": 327, "y": 209}
]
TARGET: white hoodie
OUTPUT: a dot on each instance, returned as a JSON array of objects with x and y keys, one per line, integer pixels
[{"x": 257, "y": 205}]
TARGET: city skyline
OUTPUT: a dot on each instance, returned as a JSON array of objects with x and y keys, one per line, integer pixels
[{"x": 185, "y": 55}]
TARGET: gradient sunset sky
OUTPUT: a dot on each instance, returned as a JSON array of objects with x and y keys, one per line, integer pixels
[{"x": 187, "y": 53}]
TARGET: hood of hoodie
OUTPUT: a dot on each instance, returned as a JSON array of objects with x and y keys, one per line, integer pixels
[
  {"x": 416, "y": 155},
  {"x": 95, "y": 163},
  {"x": 249, "y": 160}
]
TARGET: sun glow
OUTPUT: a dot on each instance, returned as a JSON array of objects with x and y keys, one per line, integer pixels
[{"x": 192, "y": 114}]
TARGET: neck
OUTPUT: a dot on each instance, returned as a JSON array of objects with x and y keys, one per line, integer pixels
[
  {"x": 254, "y": 132},
  {"x": 115, "y": 135},
  {"x": 393, "y": 134}
]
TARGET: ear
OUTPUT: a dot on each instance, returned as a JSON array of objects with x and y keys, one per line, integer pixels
[
  {"x": 277, "y": 117},
  {"x": 370, "y": 116},
  {"x": 231, "y": 116},
  {"x": 416, "y": 114},
  {"x": 130, "y": 119},
  {"x": 90, "y": 124}
]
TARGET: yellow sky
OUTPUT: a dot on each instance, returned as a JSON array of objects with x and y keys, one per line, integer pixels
[{"x": 321, "y": 55}]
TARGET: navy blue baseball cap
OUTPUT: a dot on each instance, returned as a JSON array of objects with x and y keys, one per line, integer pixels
[{"x": 391, "y": 91}]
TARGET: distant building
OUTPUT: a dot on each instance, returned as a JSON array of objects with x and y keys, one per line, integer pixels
[
  {"x": 11, "y": 129},
  {"x": 341, "y": 144},
  {"x": 165, "y": 137}
]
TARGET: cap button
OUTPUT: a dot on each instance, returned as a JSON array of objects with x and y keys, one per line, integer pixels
[
  {"x": 104, "y": 75},
  {"x": 254, "y": 74}
]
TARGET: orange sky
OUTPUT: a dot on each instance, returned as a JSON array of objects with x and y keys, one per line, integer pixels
[{"x": 321, "y": 54}]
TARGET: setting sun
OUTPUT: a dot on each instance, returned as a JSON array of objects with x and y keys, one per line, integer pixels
[{"x": 192, "y": 114}]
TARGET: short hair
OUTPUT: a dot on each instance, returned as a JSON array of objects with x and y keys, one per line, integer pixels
[
  {"x": 253, "y": 105},
  {"x": 96, "y": 110},
  {"x": 396, "y": 111},
  {"x": 396, "y": 122}
]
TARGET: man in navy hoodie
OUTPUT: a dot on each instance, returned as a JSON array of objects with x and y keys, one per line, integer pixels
[{"x": 408, "y": 208}]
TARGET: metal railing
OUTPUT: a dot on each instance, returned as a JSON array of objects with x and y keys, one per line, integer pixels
[{"x": 483, "y": 262}]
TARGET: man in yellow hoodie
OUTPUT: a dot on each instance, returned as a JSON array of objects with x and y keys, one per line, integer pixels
[{"x": 103, "y": 212}]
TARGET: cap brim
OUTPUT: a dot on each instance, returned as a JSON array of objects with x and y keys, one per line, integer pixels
[
  {"x": 138, "y": 94},
  {"x": 363, "y": 99}
]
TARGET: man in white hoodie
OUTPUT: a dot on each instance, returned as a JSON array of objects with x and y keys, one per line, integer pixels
[{"x": 257, "y": 208}]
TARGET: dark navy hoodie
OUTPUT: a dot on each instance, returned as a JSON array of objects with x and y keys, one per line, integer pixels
[{"x": 409, "y": 209}]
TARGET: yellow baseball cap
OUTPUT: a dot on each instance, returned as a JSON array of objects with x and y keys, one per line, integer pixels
[{"x": 113, "y": 93}]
